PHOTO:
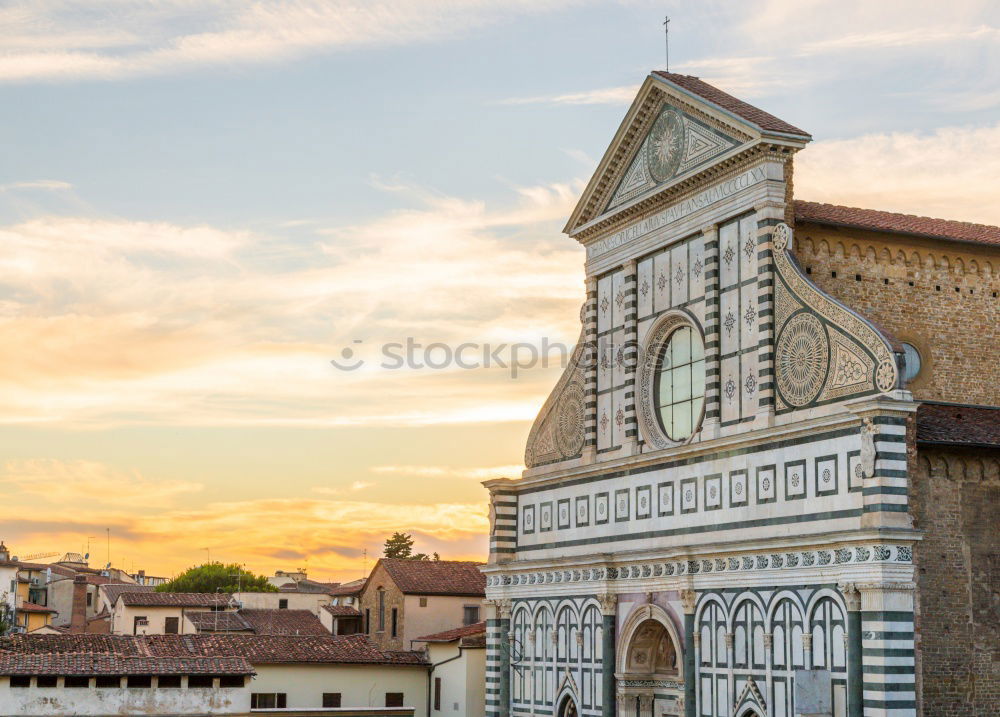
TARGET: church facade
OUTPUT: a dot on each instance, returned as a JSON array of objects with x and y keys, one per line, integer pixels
[{"x": 727, "y": 490}]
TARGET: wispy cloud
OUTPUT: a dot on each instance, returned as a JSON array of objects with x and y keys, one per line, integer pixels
[
  {"x": 52, "y": 185},
  {"x": 603, "y": 96},
  {"x": 56, "y": 40},
  {"x": 479, "y": 473},
  {"x": 903, "y": 171}
]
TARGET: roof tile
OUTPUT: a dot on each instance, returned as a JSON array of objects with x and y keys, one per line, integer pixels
[
  {"x": 955, "y": 424},
  {"x": 455, "y": 634},
  {"x": 436, "y": 577}
]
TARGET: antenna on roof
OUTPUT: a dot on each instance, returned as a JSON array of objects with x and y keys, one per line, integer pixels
[{"x": 666, "y": 38}]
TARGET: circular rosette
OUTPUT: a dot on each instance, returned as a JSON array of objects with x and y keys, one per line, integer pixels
[
  {"x": 665, "y": 147},
  {"x": 569, "y": 421},
  {"x": 803, "y": 355}
]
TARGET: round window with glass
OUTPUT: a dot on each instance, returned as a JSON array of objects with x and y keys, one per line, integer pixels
[{"x": 680, "y": 383}]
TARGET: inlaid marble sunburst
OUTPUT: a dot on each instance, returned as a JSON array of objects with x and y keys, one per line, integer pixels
[{"x": 666, "y": 145}]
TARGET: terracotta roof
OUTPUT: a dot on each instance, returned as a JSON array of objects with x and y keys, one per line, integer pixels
[
  {"x": 257, "y": 649},
  {"x": 213, "y": 621},
  {"x": 754, "y": 115},
  {"x": 352, "y": 588},
  {"x": 88, "y": 664},
  {"x": 436, "y": 577},
  {"x": 155, "y": 599},
  {"x": 875, "y": 220},
  {"x": 307, "y": 586},
  {"x": 283, "y": 622},
  {"x": 958, "y": 425},
  {"x": 113, "y": 590},
  {"x": 455, "y": 634},
  {"x": 32, "y": 607},
  {"x": 342, "y": 610}
]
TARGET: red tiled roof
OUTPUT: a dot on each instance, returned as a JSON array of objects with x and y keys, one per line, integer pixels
[
  {"x": 352, "y": 588},
  {"x": 754, "y": 115},
  {"x": 155, "y": 599},
  {"x": 88, "y": 664},
  {"x": 455, "y": 634},
  {"x": 958, "y": 425},
  {"x": 342, "y": 610},
  {"x": 32, "y": 607},
  {"x": 875, "y": 220},
  {"x": 283, "y": 622},
  {"x": 257, "y": 649},
  {"x": 436, "y": 577},
  {"x": 113, "y": 590},
  {"x": 307, "y": 586},
  {"x": 218, "y": 621}
]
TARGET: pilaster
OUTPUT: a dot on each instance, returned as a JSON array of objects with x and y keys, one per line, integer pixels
[
  {"x": 888, "y": 651},
  {"x": 855, "y": 693},
  {"x": 711, "y": 424},
  {"x": 590, "y": 372},
  {"x": 689, "y": 599},
  {"x": 769, "y": 214},
  {"x": 630, "y": 353},
  {"x": 609, "y": 613}
]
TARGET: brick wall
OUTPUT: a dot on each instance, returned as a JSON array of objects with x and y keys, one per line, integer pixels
[
  {"x": 393, "y": 599},
  {"x": 940, "y": 296},
  {"x": 955, "y": 499}
]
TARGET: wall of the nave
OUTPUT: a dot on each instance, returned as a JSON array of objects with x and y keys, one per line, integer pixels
[{"x": 956, "y": 499}]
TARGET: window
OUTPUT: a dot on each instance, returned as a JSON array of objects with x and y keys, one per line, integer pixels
[
  {"x": 168, "y": 681},
  {"x": 470, "y": 614},
  {"x": 680, "y": 384},
  {"x": 90, "y": 599},
  {"x": 170, "y": 625},
  {"x": 45, "y": 681},
  {"x": 423, "y": 602},
  {"x": 76, "y": 681},
  {"x": 368, "y": 621},
  {"x": 140, "y": 681},
  {"x": 437, "y": 693},
  {"x": 200, "y": 681},
  {"x": 395, "y": 615},
  {"x": 139, "y": 621},
  {"x": 381, "y": 610},
  {"x": 20, "y": 681},
  {"x": 112, "y": 681},
  {"x": 267, "y": 700},
  {"x": 231, "y": 681},
  {"x": 283, "y": 604},
  {"x": 331, "y": 699},
  {"x": 393, "y": 699},
  {"x": 911, "y": 362}
]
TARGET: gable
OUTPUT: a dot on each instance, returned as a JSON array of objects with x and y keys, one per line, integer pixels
[{"x": 678, "y": 132}]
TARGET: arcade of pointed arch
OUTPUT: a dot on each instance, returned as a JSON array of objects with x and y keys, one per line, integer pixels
[
  {"x": 555, "y": 652},
  {"x": 764, "y": 636}
]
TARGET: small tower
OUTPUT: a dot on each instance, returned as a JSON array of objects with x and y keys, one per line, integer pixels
[{"x": 4, "y": 553}]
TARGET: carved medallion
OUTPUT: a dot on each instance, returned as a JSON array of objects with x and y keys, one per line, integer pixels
[
  {"x": 666, "y": 146},
  {"x": 803, "y": 355},
  {"x": 569, "y": 426}
]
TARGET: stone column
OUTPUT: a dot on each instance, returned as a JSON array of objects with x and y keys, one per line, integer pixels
[
  {"x": 730, "y": 668},
  {"x": 855, "y": 678},
  {"x": 631, "y": 354},
  {"x": 501, "y": 620},
  {"x": 590, "y": 357},
  {"x": 769, "y": 214},
  {"x": 807, "y": 649},
  {"x": 645, "y": 705},
  {"x": 609, "y": 612},
  {"x": 889, "y": 654},
  {"x": 689, "y": 598},
  {"x": 710, "y": 426},
  {"x": 769, "y": 668}
]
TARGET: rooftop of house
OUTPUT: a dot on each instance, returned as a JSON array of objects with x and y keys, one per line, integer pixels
[
  {"x": 342, "y": 610},
  {"x": 893, "y": 222},
  {"x": 218, "y": 621},
  {"x": 351, "y": 588},
  {"x": 256, "y": 649},
  {"x": 283, "y": 622},
  {"x": 958, "y": 425},
  {"x": 32, "y": 607},
  {"x": 308, "y": 586},
  {"x": 436, "y": 577},
  {"x": 113, "y": 590},
  {"x": 477, "y": 628},
  {"x": 13, "y": 663},
  {"x": 732, "y": 105},
  {"x": 155, "y": 599}
]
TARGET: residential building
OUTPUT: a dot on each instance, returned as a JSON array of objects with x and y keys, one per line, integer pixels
[
  {"x": 342, "y": 616},
  {"x": 153, "y": 613},
  {"x": 766, "y": 483},
  {"x": 62, "y": 590},
  {"x": 346, "y": 675},
  {"x": 109, "y": 592},
  {"x": 457, "y": 671},
  {"x": 301, "y": 595},
  {"x": 404, "y": 599}
]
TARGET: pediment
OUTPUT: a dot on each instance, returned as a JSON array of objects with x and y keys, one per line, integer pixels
[{"x": 677, "y": 129}]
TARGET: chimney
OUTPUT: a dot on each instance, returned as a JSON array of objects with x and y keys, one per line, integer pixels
[{"x": 78, "y": 614}]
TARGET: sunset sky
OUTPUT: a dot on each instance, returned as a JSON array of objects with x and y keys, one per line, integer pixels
[{"x": 202, "y": 202}]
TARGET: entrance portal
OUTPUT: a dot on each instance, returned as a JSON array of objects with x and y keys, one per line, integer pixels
[{"x": 568, "y": 708}]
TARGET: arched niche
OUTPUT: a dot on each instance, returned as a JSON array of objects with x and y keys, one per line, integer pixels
[{"x": 649, "y": 646}]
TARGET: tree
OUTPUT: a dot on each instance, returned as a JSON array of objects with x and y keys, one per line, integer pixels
[
  {"x": 6, "y": 614},
  {"x": 400, "y": 545},
  {"x": 216, "y": 577}
]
